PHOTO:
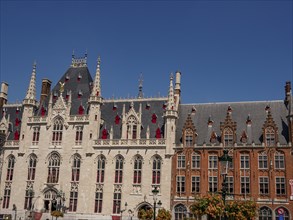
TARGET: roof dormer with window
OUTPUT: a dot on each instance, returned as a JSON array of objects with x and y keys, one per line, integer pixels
[
  {"x": 228, "y": 129},
  {"x": 270, "y": 130},
  {"x": 189, "y": 133}
]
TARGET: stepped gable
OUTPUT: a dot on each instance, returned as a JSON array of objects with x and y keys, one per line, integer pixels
[
  {"x": 14, "y": 111},
  {"x": 239, "y": 114},
  {"x": 155, "y": 107}
]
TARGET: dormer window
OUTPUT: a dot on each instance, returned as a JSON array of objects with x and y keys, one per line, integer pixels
[
  {"x": 16, "y": 135},
  {"x": 67, "y": 78},
  {"x": 228, "y": 136},
  {"x": 79, "y": 77},
  {"x": 43, "y": 111},
  {"x": 81, "y": 110},
  {"x": 132, "y": 128},
  {"x": 117, "y": 119},
  {"x": 270, "y": 136},
  {"x": 79, "y": 95},
  {"x": 188, "y": 138},
  {"x": 148, "y": 106},
  {"x": 243, "y": 138},
  {"x": 154, "y": 118},
  {"x": 158, "y": 133},
  {"x": 213, "y": 138},
  {"x": 104, "y": 134},
  {"x": 17, "y": 121}
]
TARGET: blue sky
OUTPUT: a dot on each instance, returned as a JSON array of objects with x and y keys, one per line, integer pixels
[{"x": 227, "y": 51}]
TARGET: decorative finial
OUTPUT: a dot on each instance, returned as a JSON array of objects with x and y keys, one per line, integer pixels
[
  {"x": 61, "y": 87},
  {"x": 171, "y": 76}
]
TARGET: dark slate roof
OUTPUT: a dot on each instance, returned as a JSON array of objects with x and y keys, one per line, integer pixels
[
  {"x": 15, "y": 112},
  {"x": 240, "y": 112},
  {"x": 74, "y": 85},
  {"x": 156, "y": 107}
]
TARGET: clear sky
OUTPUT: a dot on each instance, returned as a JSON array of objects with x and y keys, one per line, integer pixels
[{"x": 227, "y": 51}]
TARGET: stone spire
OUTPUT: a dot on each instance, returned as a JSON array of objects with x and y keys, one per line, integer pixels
[
  {"x": 171, "y": 94},
  {"x": 140, "y": 94},
  {"x": 31, "y": 91},
  {"x": 97, "y": 83}
]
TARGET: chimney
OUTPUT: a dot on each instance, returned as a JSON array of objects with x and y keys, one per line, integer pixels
[
  {"x": 46, "y": 87},
  {"x": 287, "y": 92},
  {"x": 3, "y": 93}
]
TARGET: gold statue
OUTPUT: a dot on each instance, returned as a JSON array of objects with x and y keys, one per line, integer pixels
[{"x": 61, "y": 87}]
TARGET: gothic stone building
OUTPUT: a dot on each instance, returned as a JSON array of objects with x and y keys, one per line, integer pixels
[{"x": 100, "y": 159}]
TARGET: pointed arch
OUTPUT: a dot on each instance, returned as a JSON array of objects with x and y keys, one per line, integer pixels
[
  {"x": 101, "y": 165},
  {"x": 180, "y": 211},
  {"x": 54, "y": 162},
  {"x": 119, "y": 164},
  {"x": 137, "y": 169},
  {"x": 57, "y": 132},
  {"x": 32, "y": 164},
  {"x": 75, "y": 168},
  {"x": 156, "y": 171}
]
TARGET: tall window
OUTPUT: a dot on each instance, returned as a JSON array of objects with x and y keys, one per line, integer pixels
[
  {"x": 244, "y": 161},
  {"x": 245, "y": 184},
  {"x": 132, "y": 128},
  {"x": 75, "y": 168},
  {"x": 156, "y": 177},
  {"x": 195, "y": 184},
  {"x": 188, "y": 137},
  {"x": 180, "y": 161},
  {"x": 270, "y": 136},
  {"x": 101, "y": 169},
  {"x": 32, "y": 167},
  {"x": 119, "y": 169},
  {"x": 57, "y": 132},
  {"x": 180, "y": 184},
  {"x": 99, "y": 202},
  {"x": 195, "y": 160},
  {"x": 10, "y": 168},
  {"x": 36, "y": 135},
  {"x": 6, "y": 196},
  {"x": 280, "y": 186},
  {"x": 117, "y": 203},
  {"x": 73, "y": 200},
  {"x": 137, "y": 169},
  {"x": 78, "y": 135},
  {"x": 264, "y": 185},
  {"x": 263, "y": 161},
  {"x": 265, "y": 213},
  {"x": 230, "y": 184},
  {"x": 279, "y": 160},
  {"x": 213, "y": 183},
  {"x": 213, "y": 162},
  {"x": 29, "y": 194},
  {"x": 53, "y": 168},
  {"x": 180, "y": 212},
  {"x": 228, "y": 137}
]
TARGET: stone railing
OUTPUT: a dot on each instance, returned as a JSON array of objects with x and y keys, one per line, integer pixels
[
  {"x": 37, "y": 119},
  {"x": 79, "y": 118},
  {"x": 129, "y": 142},
  {"x": 11, "y": 144}
]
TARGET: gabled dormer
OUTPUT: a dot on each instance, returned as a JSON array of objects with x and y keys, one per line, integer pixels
[
  {"x": 131, "y": 123},
  {"x": 269, "y": 129},
  {"x": 189, "y": 133},
  {"x": 228, "y": 129}
]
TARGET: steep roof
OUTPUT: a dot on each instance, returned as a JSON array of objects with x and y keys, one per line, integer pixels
[
  {"x": 240, "y": 111},
  {"x": 155, "y": 107}
]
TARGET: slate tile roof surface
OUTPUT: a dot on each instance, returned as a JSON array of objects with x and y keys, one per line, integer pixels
[{"x": 240, "y": 112}]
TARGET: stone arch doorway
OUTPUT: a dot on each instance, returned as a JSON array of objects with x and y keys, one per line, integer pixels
[
  {"x": 143, "y": 208},
  {"x": 50, "y": 201}
]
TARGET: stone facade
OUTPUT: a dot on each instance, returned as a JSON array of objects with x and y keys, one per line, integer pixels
[{"x": 100, "y": 159}]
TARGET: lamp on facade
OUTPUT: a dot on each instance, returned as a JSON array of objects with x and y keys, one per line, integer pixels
[
  {"x": 155, "y": 192},
  {"x": 225, "y": 164}
]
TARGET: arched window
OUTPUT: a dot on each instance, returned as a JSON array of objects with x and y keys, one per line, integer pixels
[
  {"x": 228, "y": 136},
  {"x": 53, "y": 168},
  {"x": 32, "y": 167},
  {"x": 75, "y": 168},
  {"x": 137, "y": 169},
  {"x": 57, "y": 132},
  {"x": 132, "y": 128},
  {"x": 10, "y": 168},
  {"x": 285, "y": 215},
  {"x": 270, "y": 136},
  {"x": 156, "y": 179},
  {"x": 78, "y": 135},
  {"x": 36, "y": 135},
  {"x": 101, "y": 169},
  {"x": 180, "y": 212},
  {"x": 265, "y": 213},
  {"x": 119, "y": 169}
]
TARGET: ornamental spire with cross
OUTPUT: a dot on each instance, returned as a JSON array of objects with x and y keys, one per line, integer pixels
[
  {"x": 140, "y": 94},
  {"x": 31, "y": 91},
  {"x": 97, "y": 83},
  {"x": 171, "y": 94}
]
